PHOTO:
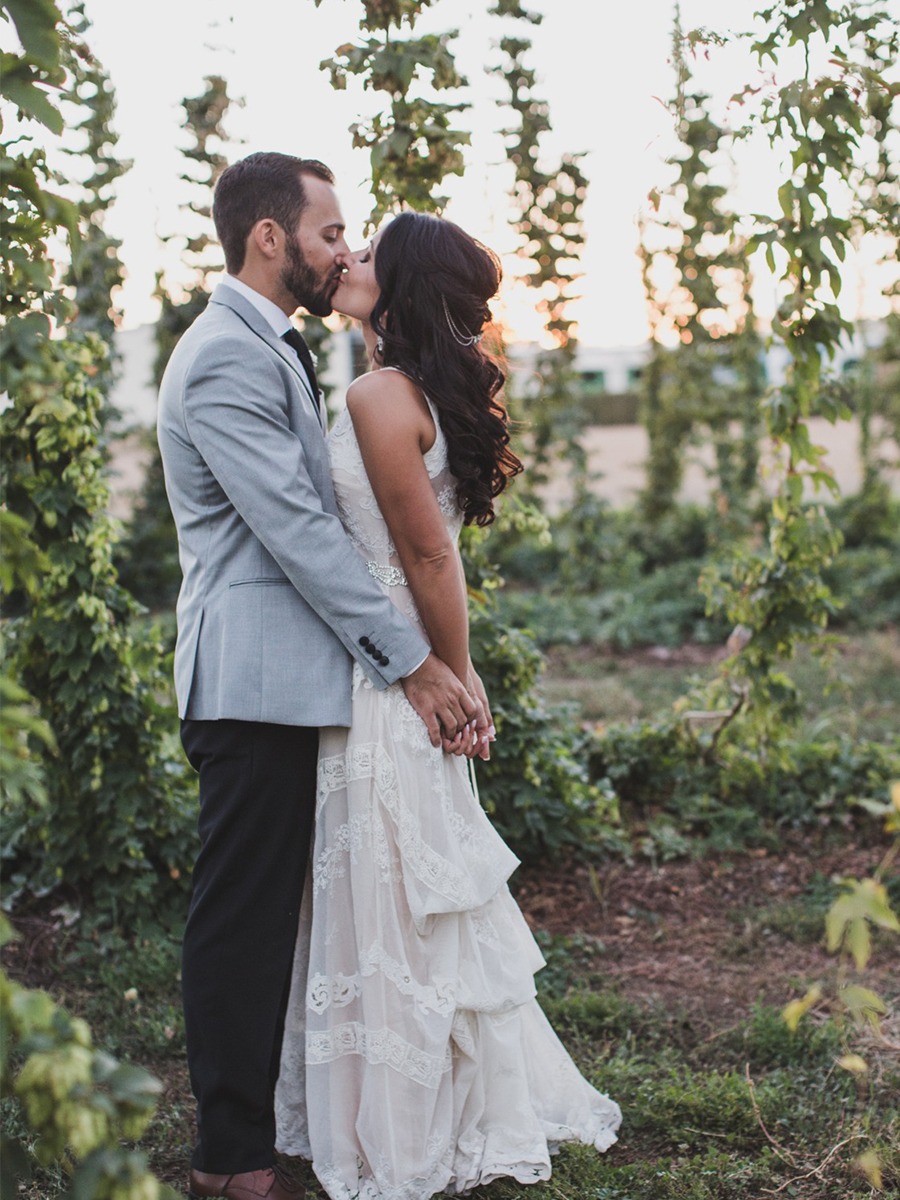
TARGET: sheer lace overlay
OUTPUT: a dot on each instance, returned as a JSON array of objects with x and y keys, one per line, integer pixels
[{"x": 416, "y": 1059}]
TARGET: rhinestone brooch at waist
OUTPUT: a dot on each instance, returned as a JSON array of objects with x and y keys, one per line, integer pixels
[{"x": 391, "y": 576}]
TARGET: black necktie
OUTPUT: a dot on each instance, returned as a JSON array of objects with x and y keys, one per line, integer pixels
[{"x": 295, "y": 339}]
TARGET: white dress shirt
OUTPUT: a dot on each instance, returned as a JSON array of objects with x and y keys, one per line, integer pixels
[{"x": 276, "y": 317}]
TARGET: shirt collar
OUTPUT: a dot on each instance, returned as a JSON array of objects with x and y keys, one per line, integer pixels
[{"x": 273, "y": 315}]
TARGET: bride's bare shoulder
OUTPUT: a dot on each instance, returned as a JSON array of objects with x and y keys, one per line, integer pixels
[
  {"x": 391, "y": 398},
  {"x": 386, "y": 382}
]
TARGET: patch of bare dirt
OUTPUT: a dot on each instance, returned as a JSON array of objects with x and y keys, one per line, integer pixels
[{"x": 693, "y": 935}]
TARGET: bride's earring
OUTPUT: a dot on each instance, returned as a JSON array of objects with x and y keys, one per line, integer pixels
[{"x": 379, "y": 347}]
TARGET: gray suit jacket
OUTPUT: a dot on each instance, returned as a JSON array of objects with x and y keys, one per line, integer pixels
[{"x": 274, "y": 599}]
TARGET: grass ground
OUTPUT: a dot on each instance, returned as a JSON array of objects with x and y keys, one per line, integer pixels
[
  {"x": 665, "y": 983},
  {"x": 857, "y": 692},
  {"x": 665, "y": 980}
]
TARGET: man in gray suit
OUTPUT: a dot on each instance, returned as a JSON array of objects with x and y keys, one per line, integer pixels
[{"x": 274, "y": 607}]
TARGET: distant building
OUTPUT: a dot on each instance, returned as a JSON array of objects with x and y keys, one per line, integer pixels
[
  {"x": 612, "y": 372},
  {"x": 610, "y": 383},
  {"x": 615, "y": 371}
]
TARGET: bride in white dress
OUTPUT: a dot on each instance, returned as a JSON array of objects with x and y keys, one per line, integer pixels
[{"x": 416, "y": 1059}]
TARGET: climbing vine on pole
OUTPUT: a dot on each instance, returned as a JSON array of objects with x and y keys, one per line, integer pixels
[
  {"x": 412, "y": 142},
  {"x": 705, "y": 376},
  {"x": 184, "y": 298},
  {"x": 548, "y": 201},
  {"x": 96, "y": 271},
  {"x": 821, "y": 121},
  {"x": 148, "y": 558}
]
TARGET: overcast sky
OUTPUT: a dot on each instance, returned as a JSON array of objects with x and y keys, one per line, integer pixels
[{"x": 603, "y": 68}]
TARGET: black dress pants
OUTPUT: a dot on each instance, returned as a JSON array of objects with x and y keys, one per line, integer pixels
[{"x": 257, "y": 807}]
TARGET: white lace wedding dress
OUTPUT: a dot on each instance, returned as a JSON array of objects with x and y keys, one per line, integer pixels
[{"x": 416, "y": 1059}]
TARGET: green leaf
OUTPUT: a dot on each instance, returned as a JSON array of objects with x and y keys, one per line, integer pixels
[
  {"x": 858, "y": 941},
  {"x": 862, "y": 1003},
  {"x": 846, "y": 921},
  {"x": 33, "y": 102},
  {"x": 134, "y": 1085},
  {"x": 35, "y": 22},
  {"x": 793, "y": 1012}
]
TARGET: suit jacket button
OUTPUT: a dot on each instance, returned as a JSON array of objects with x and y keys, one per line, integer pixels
[
  {"x": 383, "y": 659},
  {"x": 365, "y": 643}
]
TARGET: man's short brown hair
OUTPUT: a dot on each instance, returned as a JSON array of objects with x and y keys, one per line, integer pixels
[{"x": 266, "y": 184}]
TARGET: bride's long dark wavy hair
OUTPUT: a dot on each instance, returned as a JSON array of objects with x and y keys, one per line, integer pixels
[{"x": 435, "y": 282}]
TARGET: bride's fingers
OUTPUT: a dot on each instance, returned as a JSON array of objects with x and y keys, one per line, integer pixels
[
  {"x": 470, "y": 740},
  {"x": 467, "y": 741},
  {"x": 453, "y": 745}
]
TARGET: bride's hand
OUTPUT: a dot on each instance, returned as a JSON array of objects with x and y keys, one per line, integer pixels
[
  {"x": 485, "y": 733},
  {"x": 474, "y": 741}
]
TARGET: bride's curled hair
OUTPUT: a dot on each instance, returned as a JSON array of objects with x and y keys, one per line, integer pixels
[{"x": 435, "y": 282}]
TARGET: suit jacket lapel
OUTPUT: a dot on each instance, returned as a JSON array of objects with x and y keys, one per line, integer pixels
[{"x": 261, "y": 327}]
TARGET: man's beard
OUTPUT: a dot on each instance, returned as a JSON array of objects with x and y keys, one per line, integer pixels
[{"x": 303, "y": 283}]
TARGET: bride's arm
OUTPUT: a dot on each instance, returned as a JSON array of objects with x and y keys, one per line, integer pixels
[{"x": 394, "y": 429}]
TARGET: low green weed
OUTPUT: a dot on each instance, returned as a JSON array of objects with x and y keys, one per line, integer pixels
[
  {"x": 765, "y": 1042},
  {"x": 131, "y": 989},
  {"x": 571, "y": 962},
  {"x": 798, "y": 918},
  {"x": 668, "y": 789}
]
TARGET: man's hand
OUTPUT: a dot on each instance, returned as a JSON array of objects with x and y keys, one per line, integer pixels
[
  {"x": 443, "y": 703},
  {"x": 474, "y": 741}
]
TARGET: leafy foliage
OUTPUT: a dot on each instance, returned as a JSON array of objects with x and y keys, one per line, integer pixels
[
  {"x": 30, "y": 75},
  {"x": 412, "y": 144},
  {"x": 117, "y": 826},
  {"x": 147, "y": 556},
  {"x": 22, "y": 730},
  {"x": 775, "y": 591},
  {"x": 536, "y": 785},
  {"x": 78, "y": 1103},
  {"x": 30, "y": 215},
  {"x": 663, "y": 775},
  {"x": 611, "y": 576},
  {"x": 114, "y": 825},
  {"x": 863, "y": 904}
]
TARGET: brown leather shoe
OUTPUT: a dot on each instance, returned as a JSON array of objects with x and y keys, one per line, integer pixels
[{"x": 271, "y": 1184}]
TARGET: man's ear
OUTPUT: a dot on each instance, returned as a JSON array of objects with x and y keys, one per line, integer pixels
[{"x": 266, "y": 237}]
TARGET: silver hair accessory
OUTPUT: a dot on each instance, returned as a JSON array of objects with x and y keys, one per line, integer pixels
[{"x": 463, "y": 338}]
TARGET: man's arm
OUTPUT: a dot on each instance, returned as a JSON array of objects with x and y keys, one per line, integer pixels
[{"x": 236, "y": 413}]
